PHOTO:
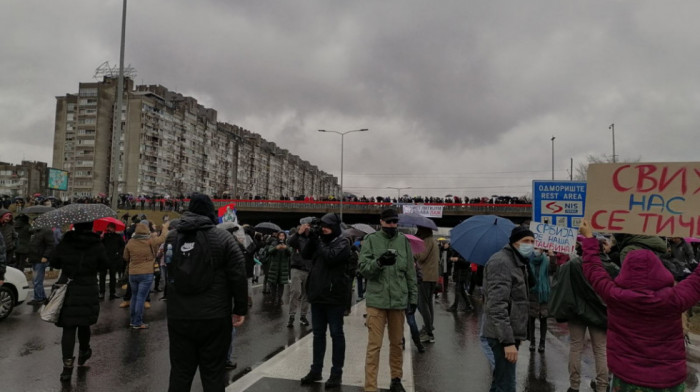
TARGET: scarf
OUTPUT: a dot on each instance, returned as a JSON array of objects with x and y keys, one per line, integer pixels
[{"x": 542, "y": 287}]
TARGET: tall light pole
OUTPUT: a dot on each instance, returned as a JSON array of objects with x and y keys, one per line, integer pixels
[
  {"x": 117, "y": 122},
  {"x": 612, "y": 127},
  {"x": 398, "y": 191},
  {"x": 553, "y": 157},
  {"x": 342, "y": 148}
]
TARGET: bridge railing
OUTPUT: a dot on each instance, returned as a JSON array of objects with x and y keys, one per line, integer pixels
[{"x": 350, "y": 206}]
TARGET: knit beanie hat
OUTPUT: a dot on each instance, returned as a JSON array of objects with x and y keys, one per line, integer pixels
[
  {"x": 202, "y": 205},
  {"x": 519, "y": 233}
]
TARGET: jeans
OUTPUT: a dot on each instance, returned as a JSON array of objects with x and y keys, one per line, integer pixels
[
  {"x": 141, "y": 286},
  {"x": 504, "y": 371},
  {"x": 412, "y": 325},
  {"x": 330, "y": 316},
  {"x": 229, "y": 354},
  {"x": 39, "y": 271},
  {"x": 198, "y": 344}
]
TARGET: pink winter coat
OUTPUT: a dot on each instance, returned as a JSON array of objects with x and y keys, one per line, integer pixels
[{"x": 645, "y": 333}]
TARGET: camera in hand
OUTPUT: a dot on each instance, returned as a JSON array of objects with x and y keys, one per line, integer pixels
[{"x": 314, "y": 225}]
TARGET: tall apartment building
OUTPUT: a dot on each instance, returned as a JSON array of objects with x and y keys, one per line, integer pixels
[
  {"x": 25, "y": 179},
  {"x": 172, "y": 145}
]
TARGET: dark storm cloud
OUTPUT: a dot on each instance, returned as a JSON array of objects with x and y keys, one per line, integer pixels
[{"x": 451, "y": 86}]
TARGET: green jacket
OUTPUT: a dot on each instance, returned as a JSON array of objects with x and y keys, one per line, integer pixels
[
  {"x": 627, "y": 243},
  {"x": 388, "y": 287}
]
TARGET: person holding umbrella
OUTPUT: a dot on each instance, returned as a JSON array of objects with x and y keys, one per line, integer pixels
[
  {"x": 506, "y": 305},
  {"x": 79, "y": 256}
]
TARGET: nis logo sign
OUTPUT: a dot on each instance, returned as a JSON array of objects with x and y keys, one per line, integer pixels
[{"x": 562, "y": 207}]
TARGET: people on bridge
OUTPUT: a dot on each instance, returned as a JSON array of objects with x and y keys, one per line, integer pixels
[{"x": 386, "y": 261}]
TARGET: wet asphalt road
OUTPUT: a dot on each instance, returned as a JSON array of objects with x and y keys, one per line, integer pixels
[{"x": 129, "y": 360}]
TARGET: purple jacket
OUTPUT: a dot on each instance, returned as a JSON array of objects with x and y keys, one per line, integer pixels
[{"x": 645, "y": 333}]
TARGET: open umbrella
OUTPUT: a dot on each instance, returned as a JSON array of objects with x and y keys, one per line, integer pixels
[
  {"x": 102, "y": 223},
  {"x": 417, "y": 244},
  {"x": 37, "y": 209},
  {"x": 358, "y": 230},
  {"x": 74, "y": 213},
  {"x": 410, "y": 220},
  {"x": 267, "y": 228},
  {"x": 479, "y": 237}
]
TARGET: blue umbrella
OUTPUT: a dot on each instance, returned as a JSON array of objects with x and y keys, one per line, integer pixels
[
  {"x": 416, "y": 220},
  {"x": 479, "y": 237}
]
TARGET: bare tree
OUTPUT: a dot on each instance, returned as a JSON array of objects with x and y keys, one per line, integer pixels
[{"x": 581, "y": 169}]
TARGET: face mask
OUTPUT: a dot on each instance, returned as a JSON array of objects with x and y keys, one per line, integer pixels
[
  {"x": 390, "y": 231},
  {"x": 526, "y": 249},
  {"x": 537, "y": 252}
]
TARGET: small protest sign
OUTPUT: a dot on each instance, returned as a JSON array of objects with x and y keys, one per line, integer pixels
[
  {"x": 555, "y": 238},
  {"x": 424, "y": 210},
  {"x": 645, "y": 198}
]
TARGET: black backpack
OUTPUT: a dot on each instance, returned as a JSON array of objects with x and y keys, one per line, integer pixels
[{"x": 191, "y": 270}]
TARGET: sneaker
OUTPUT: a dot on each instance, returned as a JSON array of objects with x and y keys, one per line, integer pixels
[
  {"x": 290, "y": 324},
  {"x": 124, "y": 304},
  {"x": 146, "y": 305},
  {"x": 311, "y": 378},
  {"x": 231, "y": 365},
  {"x": 334, "y": 381},
  {"x": 303, "y": 321},
  {"x": 396, "y": 385},
  {"x": 142, "y": 326},
  {"x": 532, "y": 347},
  {"x": 427, "y": 338}
]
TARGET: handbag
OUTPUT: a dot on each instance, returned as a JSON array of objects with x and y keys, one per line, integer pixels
[{"x": 52, "y": 310}]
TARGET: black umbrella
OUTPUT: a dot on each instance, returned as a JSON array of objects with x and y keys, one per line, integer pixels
[
  {"x": 37, "y": 209},
  {"x": 267, "y": 228},
  {"x": 74, "y": 213},
  {"x": 416, "y": 220},
  {"x": 358, "y": 230}
]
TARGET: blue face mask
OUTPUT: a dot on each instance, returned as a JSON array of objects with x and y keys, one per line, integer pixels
[{"x": 526, "y": 249}]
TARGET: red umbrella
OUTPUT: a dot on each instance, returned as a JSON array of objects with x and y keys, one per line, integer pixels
[
  {"x": 417, "y": 244},
  {"x": 101, "y": 224}
]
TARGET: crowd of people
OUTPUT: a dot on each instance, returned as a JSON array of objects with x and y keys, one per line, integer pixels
[{"x": 628, "y": 291}]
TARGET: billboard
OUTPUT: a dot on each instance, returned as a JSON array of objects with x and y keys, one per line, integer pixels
[
  {"x": 558, "y": 203},
  {"x": 58, "y": 179}
]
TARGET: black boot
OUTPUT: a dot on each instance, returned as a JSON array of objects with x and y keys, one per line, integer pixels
[
  {"x": 334, "y": 381},
  {"x": 290, "y": 324},
  {"x": 83, "y": 356},
  {"x": 303, "y": 321},
  {"x": 311, "y": 378},
  {"x": 419, "y": 345},
  {"x": 67, "y": 369}
]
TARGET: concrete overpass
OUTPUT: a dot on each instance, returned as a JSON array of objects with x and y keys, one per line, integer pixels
[{"x": 286, "y": 213}]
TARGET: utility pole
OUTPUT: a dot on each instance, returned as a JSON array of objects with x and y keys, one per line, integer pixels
[
  {"x": 117, "y": 121},
  {"x": 612, "y": 127},
  {"x": 553, "y": 157}
]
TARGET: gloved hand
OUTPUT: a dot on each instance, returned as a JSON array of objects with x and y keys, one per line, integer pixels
[
  {"x": 387, "y": 258},
  {"x": 411, "y": 309}
]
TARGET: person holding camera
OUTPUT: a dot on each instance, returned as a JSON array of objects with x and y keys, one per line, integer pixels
[
  {"x": 386, "y": 261},
  {"x": 327, "y": 290}
]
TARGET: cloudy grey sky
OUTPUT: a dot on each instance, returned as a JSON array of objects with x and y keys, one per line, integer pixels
[{"x": 461, "y": 97}]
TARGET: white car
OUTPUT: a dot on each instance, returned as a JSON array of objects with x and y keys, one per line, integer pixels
[{"x": 13, "y": 292}]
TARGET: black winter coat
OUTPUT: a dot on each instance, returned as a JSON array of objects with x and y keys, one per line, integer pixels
[
  {"x": 79, "y": 256},
  {"x": 297, "y": 242},
  {"x": 114, "y": 245},
  {"x": 230, "y": 286},
  {"x": 41, "y": 244},
  {"x": 328, "y": 281}
]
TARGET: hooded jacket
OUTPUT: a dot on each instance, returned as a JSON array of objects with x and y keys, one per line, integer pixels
[
  {"x": 229, "y": 291},
  {"x": 389, "y": 286},
  {"x": 140, "y": 252},
  {"x": 645, "y": 334},
  {"x": 429, "y": 260},
  {"x": 328, "y": 281},
  {"x": 506, "y": 303},
  {"x": 24, "y": 234},
  {"x": 41, "y": 244},
  {"x": 628, "y": 242},
  {"x": 79, "y": 256}
]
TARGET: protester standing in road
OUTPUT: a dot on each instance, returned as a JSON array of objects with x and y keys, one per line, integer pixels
[
  {"x": 114, "y": 245},
  {"x": 140, "y": 256},
  {"x": 506, "y": 305},
  {"x": 327, "y": 290},
  {"x": 386, "y": 261},
  {"x": 3, "y": 261},
  {"x": 7, "y": 230},
  {"x": 279, "y": 255},
  {"x": 540, "y": 267},
  {"x": 79, "y": 256},
  {"x": 24, "y": 235},
  {"x": 200, "y": 323},
  {"x": 460, "y": 270},
  {"x": 41, "y": 246},
  {"x": 299, "y": 273},
  {"x": 428, "y": 261},
  {"x": 646, "y": 346}
]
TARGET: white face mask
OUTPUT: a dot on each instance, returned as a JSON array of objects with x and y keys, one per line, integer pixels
[
  {"x": 526, "y": 249},
  {"x": 537, "y": 252}
]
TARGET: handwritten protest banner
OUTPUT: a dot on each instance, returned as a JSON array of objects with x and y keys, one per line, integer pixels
[
  {"x": 420, "y": 209},
  {"x": 555, "y": 238},
  {"x": 645, "y": 198}
]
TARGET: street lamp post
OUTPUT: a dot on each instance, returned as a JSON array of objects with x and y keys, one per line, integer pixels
[
  {"x": 117, "y": 122},
  {"x": 612, "y": 127},
  {"x": 342, "y": 148},
  {"x": 398, "y": 191},
  {"x": 553, "y": 157}
]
